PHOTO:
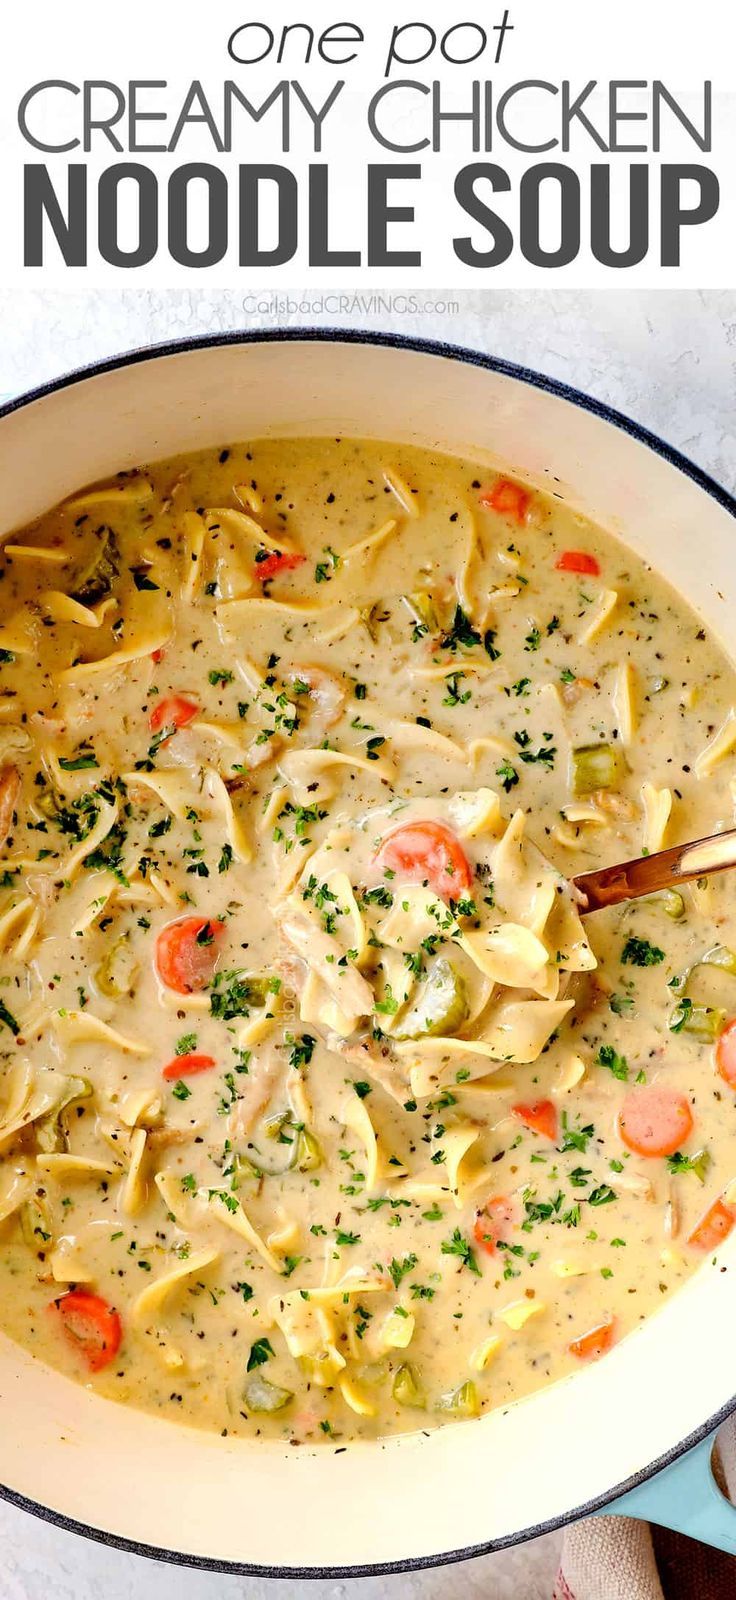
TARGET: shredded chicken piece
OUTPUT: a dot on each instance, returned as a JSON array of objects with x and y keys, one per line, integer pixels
[
  {"x": 320, "y": 950},
  {"x": 259, "y": 1086},
  {"x": 671, "y": 1223},
  {"x": 258, "y": 754},
  {"x": 325, "y": 691},
  {"x": 9, "y": 792},
  {"x": 615, "y": 805},
  {"x": 572, "y": 692},
  {"x": 165, "y": 1138},
  {"x": 41, "y": 885},
  {"x": 368, "y": 1056}
]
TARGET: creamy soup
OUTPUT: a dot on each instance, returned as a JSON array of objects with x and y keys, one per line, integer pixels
[{"x": 323, "y": 1111}]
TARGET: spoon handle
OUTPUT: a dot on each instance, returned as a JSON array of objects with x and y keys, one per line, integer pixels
[{"x": 629, "y": 880}]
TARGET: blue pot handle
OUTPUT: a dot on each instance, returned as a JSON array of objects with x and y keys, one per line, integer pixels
[{"x": 686, "y": 1497}]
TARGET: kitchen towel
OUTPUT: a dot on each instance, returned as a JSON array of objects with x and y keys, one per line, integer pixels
[{"x": 617, "y": 1558}]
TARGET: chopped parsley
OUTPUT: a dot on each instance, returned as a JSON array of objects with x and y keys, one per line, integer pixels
[
  {"x": 7, "y": 1020},
  {"x": 508, "y": 775},
  {"x": 682, "y": 1012},
  {"x": 618, "y": 1065},
  {"x": 458, "y": 1245},
  {"x": 462, "y": 634},
  {"x": 232, "y": 995},
  {"x": 641, "y": 953},
  {"x": 260, "y": 1352},
  {"x": 301, "y": 1051},
  {"x": 399, "y": 1269},
  {"x": 698, "y": 1163},
  {"x": 80, "y": 763}
]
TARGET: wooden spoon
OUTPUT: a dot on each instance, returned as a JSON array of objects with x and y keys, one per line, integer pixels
[{"x": 666, "y": 869}]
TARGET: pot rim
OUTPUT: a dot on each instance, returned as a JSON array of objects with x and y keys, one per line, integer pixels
[{"x": 415, "y": 344}]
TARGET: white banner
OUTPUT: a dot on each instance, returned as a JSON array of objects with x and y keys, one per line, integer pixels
[{"x": 582, "y": 143}]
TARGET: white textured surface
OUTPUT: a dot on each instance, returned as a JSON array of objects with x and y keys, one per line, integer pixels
[{"x": 668, "y": 360}]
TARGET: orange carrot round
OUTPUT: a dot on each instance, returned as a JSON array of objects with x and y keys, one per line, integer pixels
[
  {"x": 540, "y": 1116},
  {"x": 186, "y": 952},
  {"x": 578, "y": 561},
  {"x": 173, "y": 712},
  {"x": 188, "y": 1066},
  {"x": 655, "y": 1120},
  {"x": 278, "y": 561},
  {"x": 595, "y": 1343},
  {"x": 714, "y": 1226},
  {"x": 91, "y": 1326},
  {"x": 508, "y": 499},
  {"x": 427, "y": 852},
  {"x": 492, "y": 1222},
  {"x": 726, "y": 1054}
]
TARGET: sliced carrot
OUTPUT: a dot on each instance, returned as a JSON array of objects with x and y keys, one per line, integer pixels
[
  {"x": 186, "y": 952},
  {"x": 91, "y": 1326},
  {"x": 540, "y": 1116},
  {"x": 428, "y": 852},
  {"x": 508, "y": 498},
  {"x": 713, "y": 1227},
  {"x": 492, "y": 1223},
  {"x": 278, "y": 561},
  {"x": 173, "y": 712},
  {"x": 655, "y": 1120},
  {"x": 726, "y": 1053},
  {"x": 157, "y": 656},
  {"x": 578, "y": 561},
  {"x": 595, "y": 1342},
  {"x": 188, "y": 1066}
]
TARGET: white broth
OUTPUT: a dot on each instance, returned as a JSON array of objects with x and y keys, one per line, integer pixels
[{"x": 323, "y": 1113}]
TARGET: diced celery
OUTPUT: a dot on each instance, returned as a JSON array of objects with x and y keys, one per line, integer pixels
[
  {"x": 372, "y": 617},
  {"x": 440, "y": 1006},
  {"x": 373, "y": 1373},
  {"x": 260, "y": 1395},
  {"x": 35, "y": 1222},
  {"x": 720, "y": 956},
  {"x": 596, "y": 766},
  {"x": 462, "y": 1402},
  {"x": 307, "y": 1152},
  {"x": 703, "y": 1022},
  {"x": 274, "y": 1126},
  {"x": 406, "y": 1389},
  {"x": 672, "y": 903},
  {"x": 259, "y": 988},
  {"x": 421, "y": 606},
  {"x": 697, "y": 1164},
  {"x": 117, "y": 972},
  {"x": 50, "y": 1134},
  {"x": 96, "y": 579},
  {"x": 242, "y": 1171}
]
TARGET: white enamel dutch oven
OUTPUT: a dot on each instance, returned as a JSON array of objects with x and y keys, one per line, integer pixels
[{"x": 167, "y": 1490}]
